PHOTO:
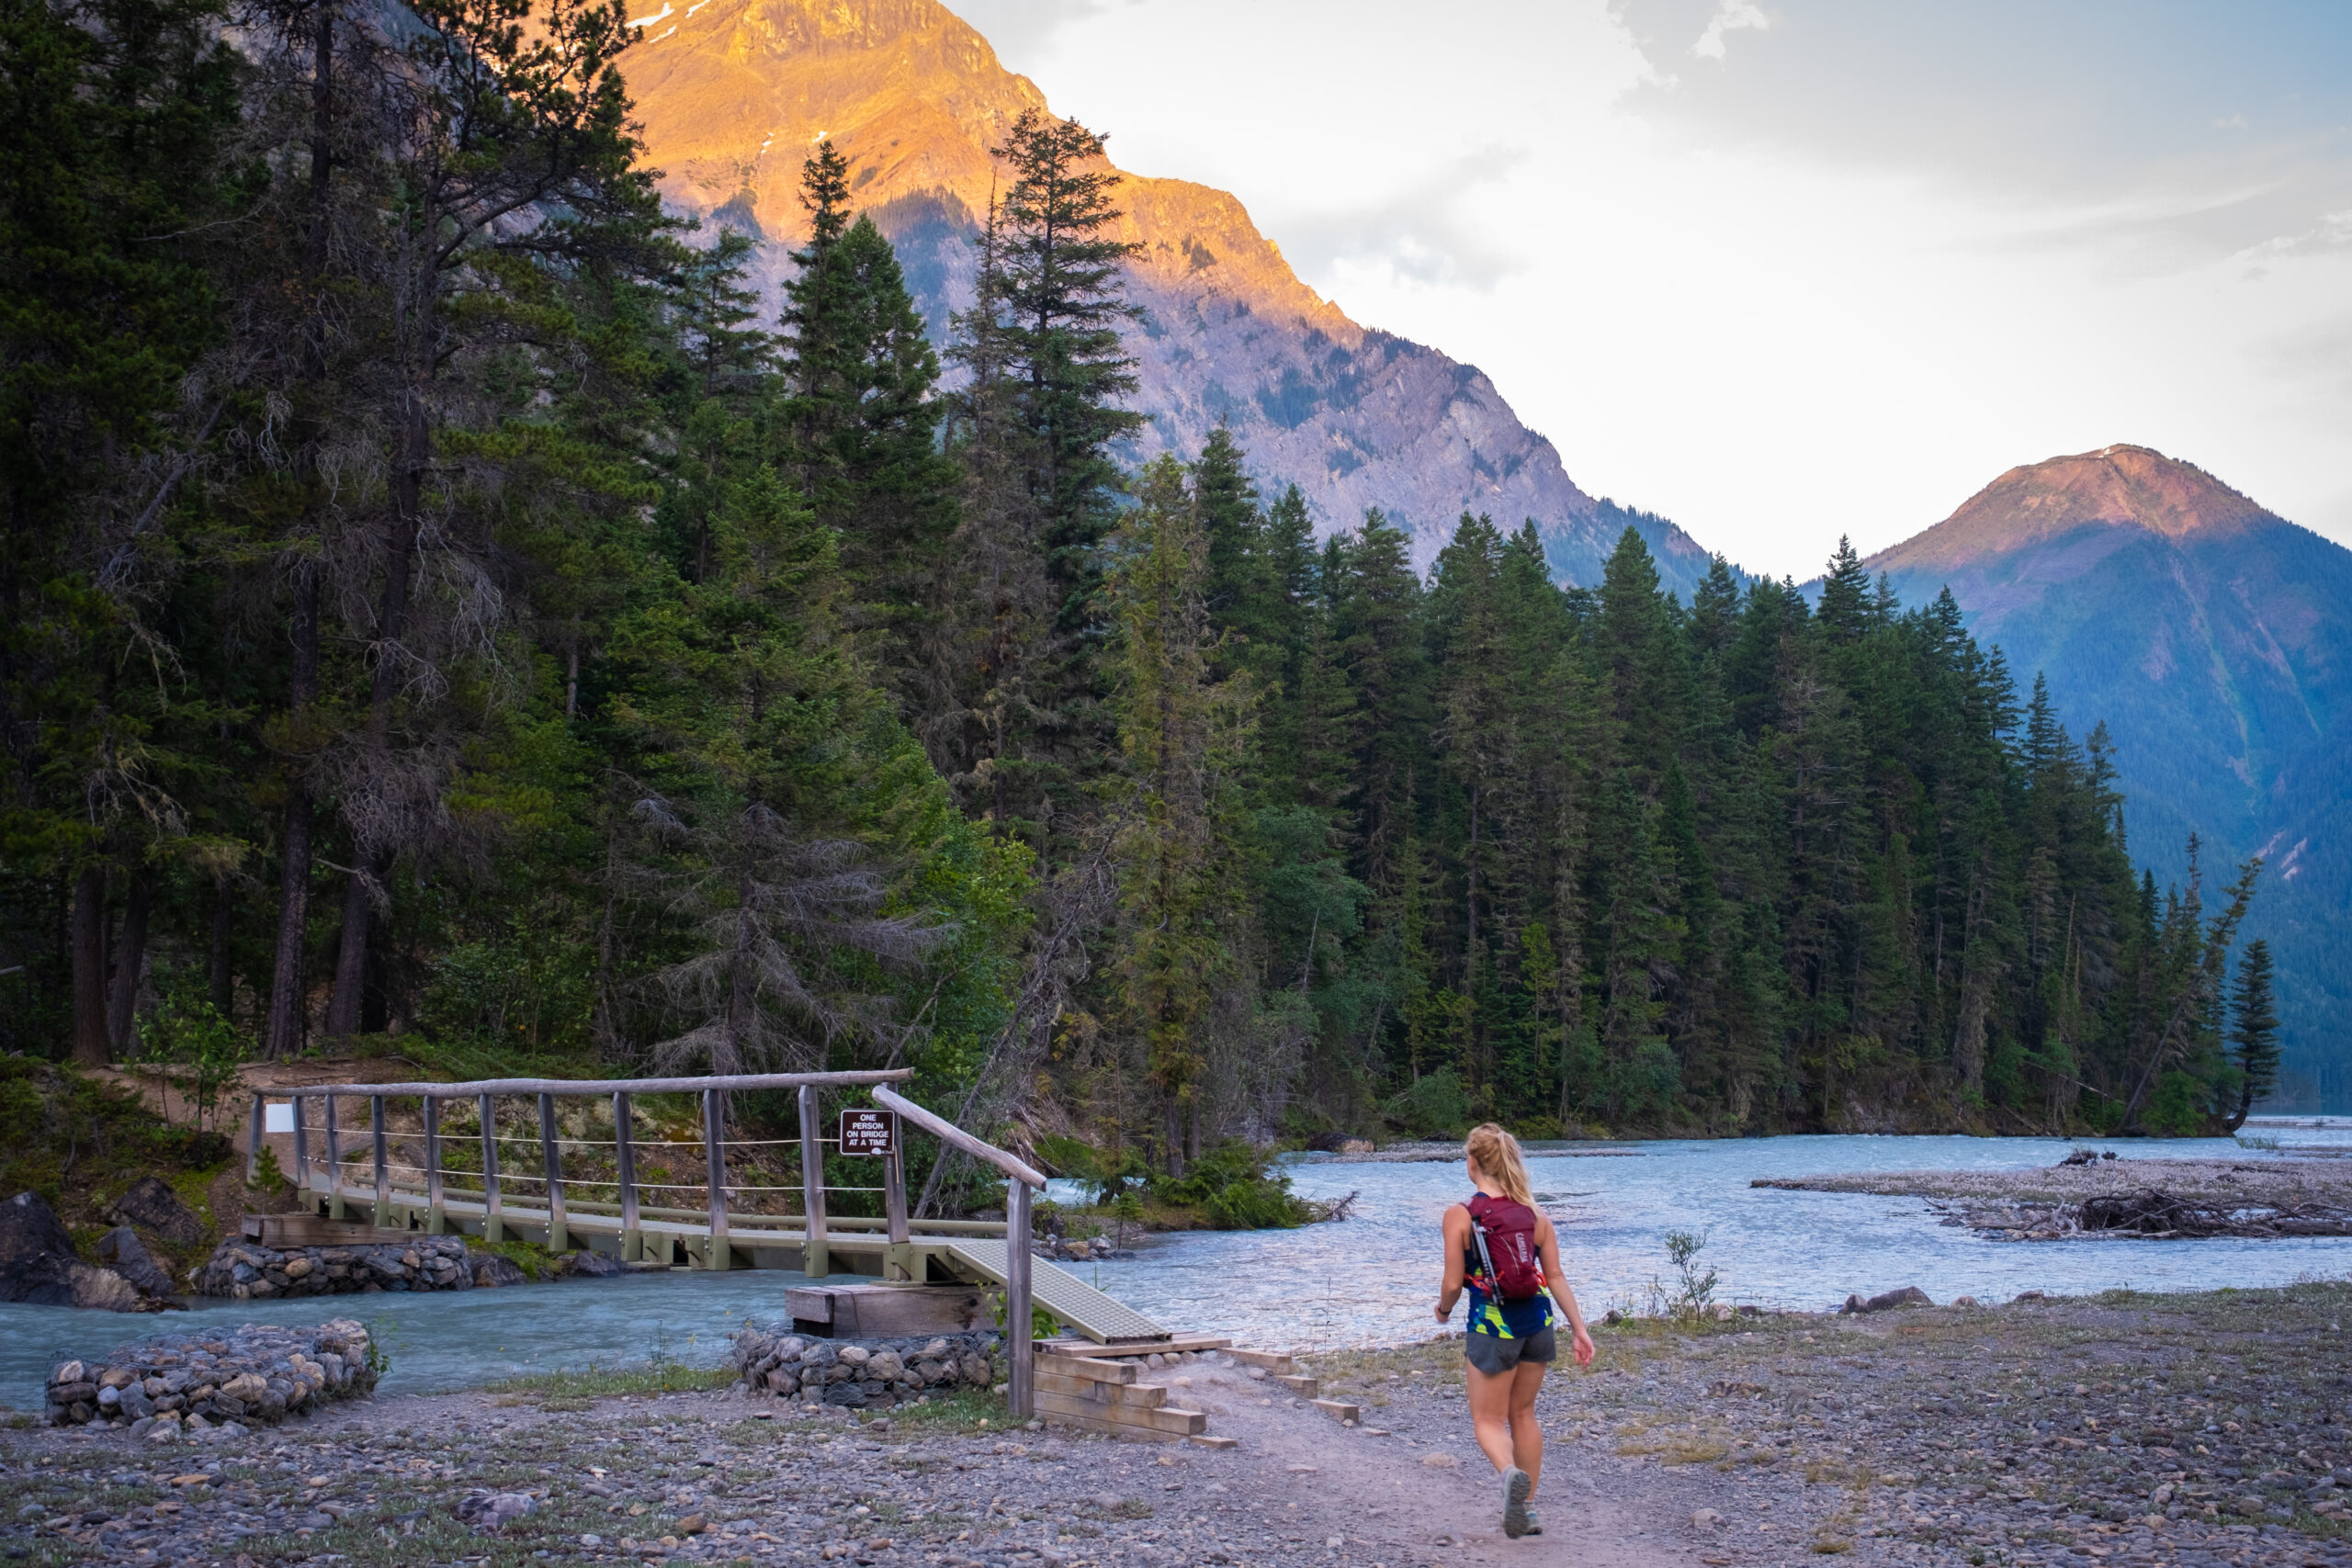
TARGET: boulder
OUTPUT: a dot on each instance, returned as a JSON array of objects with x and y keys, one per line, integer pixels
[
  {"x": 491, "y": 1270},
  {"x": 103, "y": 1290},
  {"x": 1908, "y": 1296},
  {"x": 122, "y": 1250},
  {"x": 153, "y": 1207},
  {"x": 36, "y": 1255},
  {"x": 495, "y": 1511},
  {"x": 591, "y": 1266}
]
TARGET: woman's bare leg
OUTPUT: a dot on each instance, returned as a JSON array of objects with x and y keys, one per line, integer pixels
[
  {"x": 1526, "y": 1437},
  {"x": 1490, "y": 1414}
]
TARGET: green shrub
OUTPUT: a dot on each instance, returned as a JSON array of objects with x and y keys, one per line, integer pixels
[{"x": 1235, "y": 1189}]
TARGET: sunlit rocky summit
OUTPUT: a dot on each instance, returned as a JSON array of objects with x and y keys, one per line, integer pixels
[{"x": 734, "y": 94}]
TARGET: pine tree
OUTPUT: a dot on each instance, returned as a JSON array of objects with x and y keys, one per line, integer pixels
[
  {"x": 860, "y": 423},
  {"x": 2253, "y": 1031},
  {"x": 1181, "y": 735}
]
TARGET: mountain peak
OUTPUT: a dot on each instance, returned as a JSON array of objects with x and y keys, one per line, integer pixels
[
  {"x": 2120, "y": 486},
  {"x": 734, "y": 94}
]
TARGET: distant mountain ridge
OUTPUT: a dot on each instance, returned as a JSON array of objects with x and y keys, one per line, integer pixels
[
  {"x": 2214, "y": 638},
  {"x": 734, "y": 94}
]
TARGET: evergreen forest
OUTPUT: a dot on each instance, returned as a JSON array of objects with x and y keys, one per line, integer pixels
[{"x": 443, "y": 612}]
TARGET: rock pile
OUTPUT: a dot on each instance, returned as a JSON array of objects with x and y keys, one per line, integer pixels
[
  {"x": 246, "y": 1271},
  {"x": 195, "y": 1385},
  {"x": 864, "y": 1373}
]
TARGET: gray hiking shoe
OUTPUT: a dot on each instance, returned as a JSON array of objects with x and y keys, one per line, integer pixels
[{"x": 1516, "y": 1486}]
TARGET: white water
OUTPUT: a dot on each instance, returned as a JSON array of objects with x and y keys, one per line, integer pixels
[{"x": 1371, "y": 1279}]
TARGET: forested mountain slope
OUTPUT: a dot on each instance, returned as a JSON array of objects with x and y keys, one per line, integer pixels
[
  {"x": 734, "y": 92},
  {"x": 2215, "y": 639}
]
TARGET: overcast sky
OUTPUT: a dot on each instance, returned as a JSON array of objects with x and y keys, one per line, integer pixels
[{"x": 1783, "y": 269}]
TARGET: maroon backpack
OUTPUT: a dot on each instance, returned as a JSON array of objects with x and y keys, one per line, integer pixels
[{"x": 1505, "y": 1233}]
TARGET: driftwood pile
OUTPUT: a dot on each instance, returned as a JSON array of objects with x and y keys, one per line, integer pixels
[
  {"x": 2152, "y": 1214},
  {"x": 2152, "y": 1211}
]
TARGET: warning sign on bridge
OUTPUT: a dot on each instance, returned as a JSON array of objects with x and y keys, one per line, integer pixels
[{"x": 869, "y": 1132}]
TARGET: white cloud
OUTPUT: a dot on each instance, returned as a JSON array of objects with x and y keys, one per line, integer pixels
[{"x": 1731, "y": 16}]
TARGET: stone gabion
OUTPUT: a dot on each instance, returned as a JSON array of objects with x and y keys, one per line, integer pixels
[
  {"x": 189, "y": 1385},
  {"x": 246, "y": 1271},
  {"x": 776, "y": 1363}
]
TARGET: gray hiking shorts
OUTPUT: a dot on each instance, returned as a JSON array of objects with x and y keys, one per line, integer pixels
[{"x": 1495, "y": 1356}]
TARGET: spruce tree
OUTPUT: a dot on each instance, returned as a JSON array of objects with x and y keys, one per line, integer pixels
[
  {"x": 860, "y": 422},
  {"x": 2253, "y": 1031}
]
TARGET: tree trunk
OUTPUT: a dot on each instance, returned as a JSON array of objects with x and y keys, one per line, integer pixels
[
  {"x": 343, "y": 1009},
  {"x": 219, "y": 984},
  {"x": 87, "y": 940},
  {"x": 283, "y": 1025},
  {"x": 742, "y": 996},
  {"x": 282, "y": 1030},
  {"x": 131, "y": 959}
]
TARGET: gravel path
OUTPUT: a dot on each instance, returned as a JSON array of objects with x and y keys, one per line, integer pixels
[{"x": 2142, "y": 1430}]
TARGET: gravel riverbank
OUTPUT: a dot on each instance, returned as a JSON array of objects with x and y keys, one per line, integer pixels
[{"x": 2198, "y": 1430}]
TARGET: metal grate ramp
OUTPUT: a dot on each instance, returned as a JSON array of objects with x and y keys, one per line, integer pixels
[{"x": 1067, "y": 1297}]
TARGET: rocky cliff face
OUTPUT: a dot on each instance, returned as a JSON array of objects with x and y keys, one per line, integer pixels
[
  {"x": 734, "y": 94},
  {"x": 2215, "y": 640}
]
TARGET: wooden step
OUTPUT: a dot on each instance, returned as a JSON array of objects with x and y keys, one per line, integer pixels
[
  {"x": 1131, "y": 1396},
  {"x": 1164, "y": 1422},
  {"x": 1300, "y": 1383},
  {"x": 1094, "y": 1369},
  {"x": 1272, "y": 1360},
  {"x": 1208, "y": 1440},
  {"x": 1174, "y": 1343},
  {"x": 1339, "y": 1409}
]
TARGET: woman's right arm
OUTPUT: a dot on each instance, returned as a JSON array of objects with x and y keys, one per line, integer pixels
[
  {"x": 1456, "y": 1232},
  {"x": 1580, "y": 1339}
]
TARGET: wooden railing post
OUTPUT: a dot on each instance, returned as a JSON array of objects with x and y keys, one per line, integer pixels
[
  {"x": 301, "y": 1152},
  {"x": 899, "y": 1261},
  {"x": 382, "y": 1212},
  {"x": 552, "y": 1158},
  {"x": 1017, "y": 1351},
  {"x": 335, "y": 1210},
  {"x": 714, "y": 1133},
  {"x": 493, "y": 1218},
  {"x": 436, "y": 1218},
  {"x": 816, "y": 1259},
  {"x": 253, "y": 1144},
  {"x": 625, "y": 1156}
]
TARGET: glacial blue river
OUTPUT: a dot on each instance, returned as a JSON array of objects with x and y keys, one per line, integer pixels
[{"x": 1367, "y": 1279}]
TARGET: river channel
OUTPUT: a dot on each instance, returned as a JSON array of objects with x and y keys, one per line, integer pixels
[{"x": 1369, "y": 1279}]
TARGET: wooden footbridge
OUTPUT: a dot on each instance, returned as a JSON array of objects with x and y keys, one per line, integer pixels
[{"x": 505, "y": 1177}]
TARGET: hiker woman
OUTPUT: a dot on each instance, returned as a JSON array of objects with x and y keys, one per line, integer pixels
[{"x": 1509, "y": 1257}]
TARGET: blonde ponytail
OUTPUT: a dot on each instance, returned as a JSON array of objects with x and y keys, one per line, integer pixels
[{"x": 1498, "y": 1154}]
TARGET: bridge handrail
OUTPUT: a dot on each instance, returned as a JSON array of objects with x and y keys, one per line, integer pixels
[
  {"x": 946, "y": 1132},
  {"x": 727, "y": 1082}
]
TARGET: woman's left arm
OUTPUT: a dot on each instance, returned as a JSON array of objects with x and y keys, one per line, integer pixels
[{"x": 1549, "y": 1244}]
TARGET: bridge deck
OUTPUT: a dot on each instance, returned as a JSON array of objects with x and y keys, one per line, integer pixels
[
  {"x": 1070, "y": 1299},
  {"x": 768, "y": 1241}
]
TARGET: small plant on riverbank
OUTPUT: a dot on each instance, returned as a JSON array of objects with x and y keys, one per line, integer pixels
[{"x": 1696, "y": 1294}]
